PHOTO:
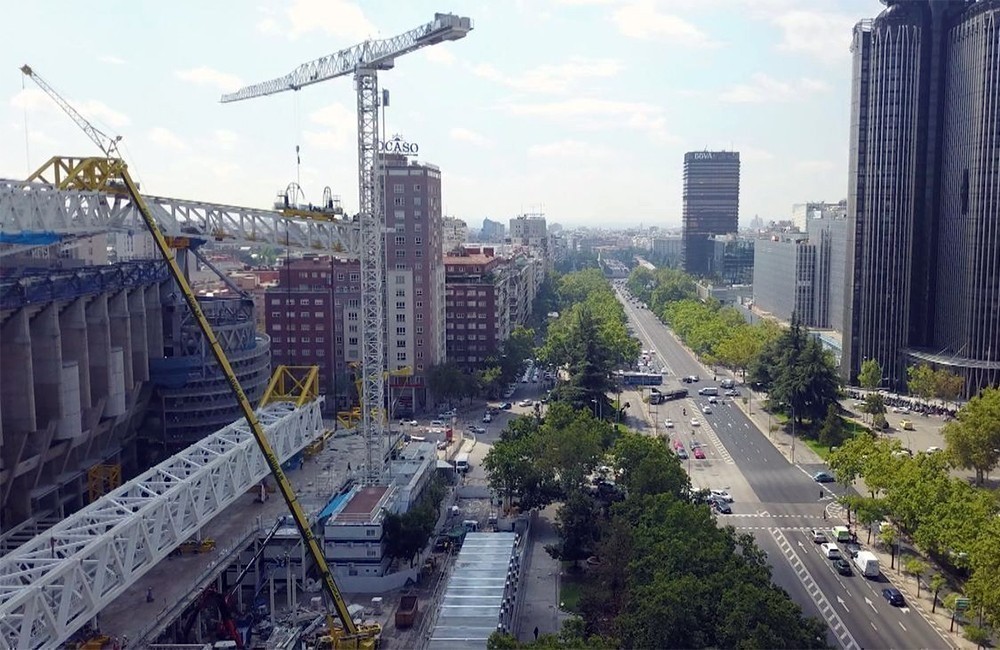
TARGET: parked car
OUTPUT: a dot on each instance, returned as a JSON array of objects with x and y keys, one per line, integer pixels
[
  {"x": 818, "y": 536},
  {"x": 732, "y": 392},
  {"x": 477, "y": 429},
  {"x": 707, "y": 410},
  {"x": 722, "y": 494},
  {"x": 852, "y": 548},
  {"x": 721, "y": 507},
  {"x": 699, "y": 453},
  {"x": 668, "y": 423},
  {"x": 892, "y": 595},
  {"x": 506, "y": 406},
  {"x": 682, "y": 454},
  {"x": 437, "y": 423},
  {"x": 487, "y": 418},
  {"x": 843, "y": 567},
  {"x": 823, "y": 477},
  {"x": 524, "y": 402},
  {"x": 695, "y": 422}
]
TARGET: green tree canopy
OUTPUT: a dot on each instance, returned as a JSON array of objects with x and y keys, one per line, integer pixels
[
  {"x": 973, "y": 438},
  {"x": 870, "y": 376}
]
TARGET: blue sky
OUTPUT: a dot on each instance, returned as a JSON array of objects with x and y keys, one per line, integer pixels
[{"x": 581, "y": 109}]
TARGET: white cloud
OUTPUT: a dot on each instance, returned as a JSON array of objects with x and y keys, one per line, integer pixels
[
  {"x": 113, "y": 60},
  {"x": 815, "y": 166},
  {"x": 468, "y": 135},
  {"x": 205, "y": 76},
  {"x": 166, "y": 138},
  {"x": 763, "y": 88},
  {"x": 98, "y": 111},
  {"x": 753, "y": 154},
  {"x": 643, "y": 20},
  {"x": 825, "y": 36},
  {"x": 339, "y": 122},
  {"x": 600, "y": 114},
  {"x": 551, "y": 78},
  {"x": 439, "y": 54},
  {"x": 225, "y": 139},
  {"x": 339, "y": 18},
  {"x": 574, "y": 149}
]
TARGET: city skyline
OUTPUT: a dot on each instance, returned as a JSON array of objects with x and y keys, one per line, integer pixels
[{"x": 580, "y": 102}]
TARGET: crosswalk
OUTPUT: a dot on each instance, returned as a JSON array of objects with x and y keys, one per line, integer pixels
[{"x": 714, "y": 439}]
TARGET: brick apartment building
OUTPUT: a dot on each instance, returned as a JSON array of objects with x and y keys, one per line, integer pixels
[{"x": 478, "y": 315}]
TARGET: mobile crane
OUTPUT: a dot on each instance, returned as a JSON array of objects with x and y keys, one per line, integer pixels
[{"x": 110, "y": 174}]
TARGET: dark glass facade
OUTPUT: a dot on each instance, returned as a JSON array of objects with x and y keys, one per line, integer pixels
[
  {"x": 711, "y": 205},
  {"x": 923, "y": 254}
]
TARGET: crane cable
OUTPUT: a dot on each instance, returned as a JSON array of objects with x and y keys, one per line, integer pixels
[{"x": 27, "y": 138}]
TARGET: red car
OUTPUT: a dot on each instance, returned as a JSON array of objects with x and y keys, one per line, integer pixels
[{"x": 699, "y": 453}]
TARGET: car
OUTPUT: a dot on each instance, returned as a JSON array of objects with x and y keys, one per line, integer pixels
[
  {"x": 732, "y": 392},
  {"x": 506, "y": 406},
  {"x": 933, "y": 450},
  {"x": 682, "y": 454},
  {"x": 437, "y": 423},
  {"x": 892, "y": 595},
  {"x": 411, "y": 423},
  {"x": 668, "y": 423},
  {"x": 525, "y": 402},
  {"x": 818, "y": 536},
  {"x": 852, "y": 548},
  {"x": 843, "y": 567},
  {"x": 713, "y": 400},
  {"x": 721, "y": 507},
  {"x": 487, "y": 418},
  {"x": 706, "y": 409},
  {"x": 823, "y": 477},
  {"x": 722, "y": 494},
  {"x": 699, "y": 453},
  {"x": 695, "y": 444},
  {"x": 477, "y": 429},
  {"x": 695, "y": 422}
]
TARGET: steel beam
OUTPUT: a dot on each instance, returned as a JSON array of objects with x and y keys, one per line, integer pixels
[{"x": 55, "y": 583}]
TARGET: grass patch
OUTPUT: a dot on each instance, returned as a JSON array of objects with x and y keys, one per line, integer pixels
[
  {"x": 821, "y": 450},
  {"x": 570, "y": 590}
]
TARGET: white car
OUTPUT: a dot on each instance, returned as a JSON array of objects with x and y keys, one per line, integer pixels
[
  {"x": 721, "y": 494},
  {"x": 525, "y": 402},
  {"x": 706, "y": 409},
  {"x": 437, "y": 423},
  {"x": 669, "y": 424},
  {"x": 695, "y": 423}
]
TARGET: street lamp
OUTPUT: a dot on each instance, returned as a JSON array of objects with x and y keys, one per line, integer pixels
[{"x": 599, "y": 406}]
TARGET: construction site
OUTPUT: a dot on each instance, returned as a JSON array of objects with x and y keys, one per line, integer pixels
[{"x": 162, "y": 485}]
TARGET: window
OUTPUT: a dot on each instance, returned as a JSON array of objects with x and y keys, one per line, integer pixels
[
  {"x": 400, "y": 253},
  {"x": 420, "y": 293},
  {"x": 306, "y": 339},
  {"x": 420, "y": 343},
  {"x": 416, "y": 188},
  {"x": 306, "y": 327},
  {"x": 340, "y": 340},
  {"x": 355, "y": 277},
  {"x": 340, "y": 276},
  {"x": 275, "y": 314},
  {"x": 418, "y": 253},
  {"x": 420, "y": 355},
  {"x": 401, "y": 331},
  {"x": 397, "y": 188},
  {"x": 276, "y": 327},
  {"x": 400, "y": 318},
  {"x": 398, "y": 201},
  {"x": 420, "y": 304},
  {"x": 400, "y": 279},
  {"x": 400, "y": 293},
  {"x": 400, "y": 267},
  {"x": 400, "y": 304},
  {"x": 420, "y": 367},
  {"x": 416, "y": 200},
  {"x": 400, "y": 343},
  {"x": 303, "y": 314},
  {"x": 318, "y": 339},
  {"x": 317, "y": 314},
  {"x": 304, "y": 302},
  {"x": 352, "y": 316},
  {"x": 401, "y": 241},
  {"x": 420, "y": 330},
  {"x": 420, "y": 316},
  {"x": 317, "y": 302},
  {"x": 352, "y": 341},
  {"x": 400, "y": 214},
  {"x": 400, "y": 356},
  {"x": 418, "y": 241},
  {"x": 418, "y": 227},
  {"x": 354, "y": 302},
  {"x": 353, "y": 329}
]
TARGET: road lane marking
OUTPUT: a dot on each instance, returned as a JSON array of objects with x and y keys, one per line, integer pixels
[
  {"x": 843, "y": 604},
  {"x": 833, "y": 620},
  {"x": 873, "y": 626},
  {"x": 901, "y": 625},
  {"x": 869, "y": 603}
]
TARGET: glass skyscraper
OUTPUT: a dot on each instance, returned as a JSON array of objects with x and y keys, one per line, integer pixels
[
  {"x": 711, "y": 204},
  {"x": 923, "y": 262}
]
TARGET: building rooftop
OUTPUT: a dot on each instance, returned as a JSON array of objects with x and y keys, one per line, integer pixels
[{"x": 364, "y": 505}]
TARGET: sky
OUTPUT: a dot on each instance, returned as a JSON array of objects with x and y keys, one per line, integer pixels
[{"x": 578, "y": 109}]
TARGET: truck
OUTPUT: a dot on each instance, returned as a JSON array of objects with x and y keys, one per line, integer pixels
[
  {"x": 867, "y": 564},
  {"x": 462, "y": 463},
  {"x": 406, "y": 613}
]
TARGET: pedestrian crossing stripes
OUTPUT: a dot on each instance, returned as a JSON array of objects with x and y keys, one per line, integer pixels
[
  {"x": 778, "y": 516},
  {"x": 714, "y": 439}
]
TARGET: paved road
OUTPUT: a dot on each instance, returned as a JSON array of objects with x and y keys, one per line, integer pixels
[{"x": 785, "y": 504}]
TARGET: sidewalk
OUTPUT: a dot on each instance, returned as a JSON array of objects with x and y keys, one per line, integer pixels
[{"x": 540, "y": 599}]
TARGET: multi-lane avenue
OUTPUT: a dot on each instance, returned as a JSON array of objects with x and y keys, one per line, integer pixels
[{"x": 778, "y": 502}]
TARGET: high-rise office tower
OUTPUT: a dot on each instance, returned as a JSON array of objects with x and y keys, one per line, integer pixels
[
  {"x": 711, "y": 204},
  {"x": 923, "y": 261}
]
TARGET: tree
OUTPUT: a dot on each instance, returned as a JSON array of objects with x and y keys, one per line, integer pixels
[
  {"x": 833, "y": 432},
  {"x": 916, "y": 568},
  {"x": 578, "y": 524},
  {"x": 947, "y": 385},
  {"x": 920, "y": 381},
  {"x": 973, "y": 438},
  {"x": 936, "y": 583},
  {"x": 447, "y": 381},
  {"x": 870, "y": 376},
  {"x": 874, "y": 405},
  {"x": 889, "y": 538}
]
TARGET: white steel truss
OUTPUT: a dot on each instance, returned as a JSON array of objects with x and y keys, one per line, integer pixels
[
  {"x": 372, "y": 276},
  {"x": 55, "y": 583},
  {"x": 39, "y": 208}
]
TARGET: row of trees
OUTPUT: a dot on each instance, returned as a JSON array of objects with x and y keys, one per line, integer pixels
[
  {"x": 588, "y": 340},
  {"x": 449, "y": 381},
  {"x": 944, "y": 516},
  {"x": 799, "y": 376},
  {"x": 667, "y": 576}
]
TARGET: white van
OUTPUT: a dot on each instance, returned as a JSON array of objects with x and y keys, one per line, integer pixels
[
  {"x": 708, "y": 390},
  {"x": 867, "y": 564},
  {"x": 462, "y": 463}
]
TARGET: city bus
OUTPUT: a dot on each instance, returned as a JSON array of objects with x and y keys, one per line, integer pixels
[{"x": 639, "y": 378}]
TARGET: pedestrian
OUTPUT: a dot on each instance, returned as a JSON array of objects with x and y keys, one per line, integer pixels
[
  {"x": 149, "y": 594},
  {"x": 536, "y": 633},
  {"x": 821, "y": 493},
  {"x": 824, "y": 515}
]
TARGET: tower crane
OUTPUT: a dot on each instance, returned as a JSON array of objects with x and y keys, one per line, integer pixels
[{"x": 364, "y": 60}]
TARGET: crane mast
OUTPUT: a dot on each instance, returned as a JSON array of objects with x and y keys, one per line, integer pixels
[{"x": 364, "y": 60}]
